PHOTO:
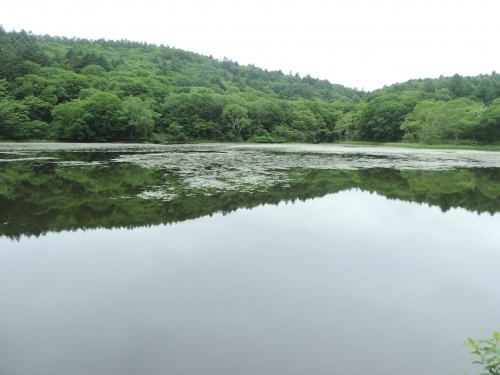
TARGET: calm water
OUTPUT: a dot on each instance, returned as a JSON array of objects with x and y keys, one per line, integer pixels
[{"x": 220, "y": 259}]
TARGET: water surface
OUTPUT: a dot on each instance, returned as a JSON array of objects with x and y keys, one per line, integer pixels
[{"x": 220, "y": 259}]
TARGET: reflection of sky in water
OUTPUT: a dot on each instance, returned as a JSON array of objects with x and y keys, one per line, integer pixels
[{"x": 350, "y": 283}]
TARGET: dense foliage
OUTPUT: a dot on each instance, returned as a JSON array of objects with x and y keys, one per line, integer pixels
[{"x": 102, "y": 90}]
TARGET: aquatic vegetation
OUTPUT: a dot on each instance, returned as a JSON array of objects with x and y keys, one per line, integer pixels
[
  {"x": 216, "y": 168},
  {"x": 55, "y": 187}
]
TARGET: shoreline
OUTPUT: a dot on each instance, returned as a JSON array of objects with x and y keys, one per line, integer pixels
[{"x": 489, "y": 147}]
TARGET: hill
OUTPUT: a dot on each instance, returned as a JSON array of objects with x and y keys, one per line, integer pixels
[{"x": 104, "y": 90}]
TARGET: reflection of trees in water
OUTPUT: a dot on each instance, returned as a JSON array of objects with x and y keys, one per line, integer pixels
[{"x": 38, "y": 197}]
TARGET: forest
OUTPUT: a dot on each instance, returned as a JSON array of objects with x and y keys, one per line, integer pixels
[{"x": 78, "y": 90}]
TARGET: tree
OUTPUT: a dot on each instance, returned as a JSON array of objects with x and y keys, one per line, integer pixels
[
  {"x": 38, "y": 109},
  {"x": 175, "y": 64},
  {"x": 10, "y": 63},
  {"x": 104, "y": 116},
  {"x": 443, "y": 95},
  {"x": 33, "y": 130},
  {"x": 382, "y": 117},
  {"x": 97, "y": 118},
  {"x": 133, "y": 87},
  {"x": 489, "y": 123},
  {"x": 433, "y": 121},
  {"x": 485, "y": 90},
  {"x": 175, "y": 130},
  {"x": 345, "y": 127},
  {"x": 69, "y": 124},
  {"x": 267, "y": 114},
  {"x": 235, "y": 115},
  {"x": 429, "y": 86},
  {"x": 140, "y": 118},
  {"x": 93, "y": 70},
  {"x": 34, "y": 85},
  {"x": 215, "y": 130},
  {"x": 12, "y": 116},
  {"x": 459, "y": 86}
]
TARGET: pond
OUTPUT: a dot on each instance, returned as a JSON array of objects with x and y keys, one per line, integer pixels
[{"x": 245, "y": 259}]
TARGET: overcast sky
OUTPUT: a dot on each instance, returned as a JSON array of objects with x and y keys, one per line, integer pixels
[{"x": 357, "y": 43}]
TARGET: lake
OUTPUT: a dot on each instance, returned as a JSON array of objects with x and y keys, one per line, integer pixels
[{"x": 245, "y": 259}]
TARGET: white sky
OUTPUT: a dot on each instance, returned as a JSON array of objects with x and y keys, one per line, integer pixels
[{"x": 357, "y": 43}]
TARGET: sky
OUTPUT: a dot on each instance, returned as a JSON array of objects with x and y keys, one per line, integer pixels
[{"x": 357, "y": 43}]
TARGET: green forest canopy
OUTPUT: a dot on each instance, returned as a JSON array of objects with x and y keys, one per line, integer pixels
[{"x": 104, "y": 90}]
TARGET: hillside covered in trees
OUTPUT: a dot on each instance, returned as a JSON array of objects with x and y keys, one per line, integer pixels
[{"x": 101, "y": 90}]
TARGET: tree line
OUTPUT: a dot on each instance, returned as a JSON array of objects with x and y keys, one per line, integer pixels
[{"x": 102, "y": 90}]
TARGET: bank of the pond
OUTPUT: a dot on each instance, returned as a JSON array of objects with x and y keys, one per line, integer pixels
[{"x": 491, "y": 147}]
